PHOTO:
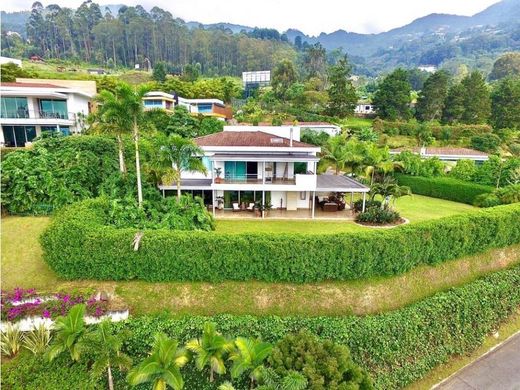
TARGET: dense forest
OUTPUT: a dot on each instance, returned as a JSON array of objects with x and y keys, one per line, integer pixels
[{"x": 135, "y": 36}]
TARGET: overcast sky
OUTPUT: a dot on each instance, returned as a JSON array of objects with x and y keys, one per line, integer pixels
[{"x": 311, "y": 17}]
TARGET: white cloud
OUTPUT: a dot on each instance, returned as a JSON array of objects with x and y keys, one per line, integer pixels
[{"x": 312, "y": 17}]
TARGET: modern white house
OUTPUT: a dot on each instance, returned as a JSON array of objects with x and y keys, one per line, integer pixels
[
  {"x": 29, "y": 108},
  {"x": 263, "y": 165},
  {"x": 364, "y": 109},
  {"x": 446, "y": 154},
  {"x": 167, "y": 101},
  {"x": 317, "y": 127}
]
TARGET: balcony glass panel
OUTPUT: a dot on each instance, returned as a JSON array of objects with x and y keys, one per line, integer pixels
[
  {"x": 14, "y": 107},
  {"x": 51, "y": 108}
]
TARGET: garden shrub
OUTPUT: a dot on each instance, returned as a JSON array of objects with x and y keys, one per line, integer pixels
[
  {"x": 325, "y": 364},
  {"x": 378, "y": 216},
  {"x": 505, "y": 195},
  {"x": 440, "y": 132},
  {"x": 55, "y": 172},
  {"x": 78, "y": 244},
  {"x": 444, "y": 188}
]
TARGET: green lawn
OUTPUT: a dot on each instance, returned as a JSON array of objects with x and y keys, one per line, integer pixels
[
  {"x": 416, "y": 208},
  {"x": 22, "y": 266}
]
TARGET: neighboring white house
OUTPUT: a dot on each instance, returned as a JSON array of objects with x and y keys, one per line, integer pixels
[
  {"x": 427, "y": 68},
  {"x": 30, "y": 107},
  {"x": 7, "y": 60},
  {"x": 317, "y": 127},
  {"x": 364, "y": 109},
  {"x": 207, "y": 107},
  {"x": 263, "y": 164},
  {"x": 446, "y": 154},
  {"x": 256, "y": 79}
]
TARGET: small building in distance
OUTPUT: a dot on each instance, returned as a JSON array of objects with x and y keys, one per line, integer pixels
[
  {"x": 168, "y": 101},
  {"x": 317, "y": 127},
  {"x": 446, "y": 154},
  {"x": 427, "y": 68},
  {"x": 251, "y": 81},
  {"x": 8, "y": 60},
  {"x": 364, "y": 108}
]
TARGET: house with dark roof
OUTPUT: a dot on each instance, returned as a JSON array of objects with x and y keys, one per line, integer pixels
[
  {"x": 266, "y": 165},
  {"x": 447, "y": 154}
]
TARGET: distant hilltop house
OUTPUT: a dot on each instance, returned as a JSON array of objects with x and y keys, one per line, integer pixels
[
  {"x": 36, "y": 59},
  {"x": 446, "y": 154},
  {"x": 427, "y": 68},
  {"x": 252, "y": 81},
  {"x": 30, "y": 107},
  {"x": 318, "y": 127},
  {"x": 363, "y": 108},
  {"x": 207, "y": 107},
  {"x": 96, "y": 71},
  {"x": 8, "y": 60}
]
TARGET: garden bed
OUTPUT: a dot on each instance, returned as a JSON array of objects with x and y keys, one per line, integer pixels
[{"x": 399, "y": 222}]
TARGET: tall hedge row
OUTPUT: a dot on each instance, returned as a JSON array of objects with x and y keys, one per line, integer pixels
[
  {"x": 444, "y": 188},
  {"x": 78, "y": 245},
  {"x": 397, "y": 348}
]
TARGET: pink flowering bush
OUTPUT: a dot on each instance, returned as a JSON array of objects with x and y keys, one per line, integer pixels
[{"x": 50, "y": 306}]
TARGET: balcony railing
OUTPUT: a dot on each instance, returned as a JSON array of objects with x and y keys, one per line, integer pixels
[
  {"x": 253, "y": 179},
  {"x": 38, "y": 114}
]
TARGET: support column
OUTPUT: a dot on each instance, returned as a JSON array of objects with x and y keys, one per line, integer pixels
[
  {"x": 263, "y": 172},
  {"x": 213, "y": 201},
  {"x": 163, "y": 195},
  {"x": 351, "y": 199},
  {"x": 364, "y": 200},
  {"x": 313, "y": 202},
  {"x": 263, "y": 202}
]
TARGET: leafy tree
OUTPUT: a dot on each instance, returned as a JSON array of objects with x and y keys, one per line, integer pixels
[
  {"x": 70, "y": 334},
  {"x": 159, "y": 71},
  {"x": 107, "y": 347},
  {"x": 192, "y": 72},
  {"x": 505, "y": 104},
  {"x": 162, "y": 367},
  {"x": 314, "y": 137},
  {"x": 464, "y": 170},
  {"x": 284, "y": 75},
  {"x": 293, "y": 380},
  {"x": 506, "y": 65},
  {"x": 342, "y": 94},
  {"x": 210, "y": 350},
  {"x": 367, "y": 134},
  {"x": 325, "y": 364},
  {"x": 486, "y": 142},
  {"x": 417, "y": 78},
  {"x": 343, "y": 155},
  {"x": 249, "y": 356},
  {"x": 454, "y": 104},
  {"x": 9, "y": 72},
  {"x": 432, "y": 97},
  {"x": 314, "y": 60},
  {"x": 424, "y": 135},
  {"x": 477, "y": 103},
  {"x": 183, "y": 155},
  {"x": 392, "y": 98}
]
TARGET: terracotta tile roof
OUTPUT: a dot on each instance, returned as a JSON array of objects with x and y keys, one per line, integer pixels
[
  {"x": 29, "y": 85},
  {"x": 444, "y": 151},
  {"x": 248, "y": 138}
]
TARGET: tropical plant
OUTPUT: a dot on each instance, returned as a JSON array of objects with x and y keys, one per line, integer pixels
[
  {"x": 107, "y": 347},
  {"x": 162, "y": 367},
  {"x": 292, "y": 380},
  {"x": 10, "y": 340},
  {"x": 388, "y": 189},
  {"x": 70, "y": 334},
  {"x": 183, "y": 155},
  {"x": 211, "y": 350},
  {"x": 120, "y": 112},
  {"x": 227, "y": 385},
  {"x": 378, "y": 215},
  {"x": 343, "y": 155},
  {"x": 38, "y": 339},
  {"x": 249, "y": 356}
]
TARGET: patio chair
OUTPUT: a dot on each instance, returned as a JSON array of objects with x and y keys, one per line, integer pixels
[
  {"x": 251, "y": 207},
  {"x": 236, "y": 207}
]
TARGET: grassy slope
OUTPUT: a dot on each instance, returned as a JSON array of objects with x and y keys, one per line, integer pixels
[{"x": 23, "y": 266}]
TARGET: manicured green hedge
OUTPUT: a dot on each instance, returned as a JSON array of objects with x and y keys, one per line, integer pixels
[
  {"x": 397, "y": 348},
  {"x": 444, "y": 188},
  {"x": 77, "y": 245}
]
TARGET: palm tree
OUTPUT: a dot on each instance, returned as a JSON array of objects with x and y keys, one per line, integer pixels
[
  {"x": 70, "y": 334},
  {"x": 343, "y": 155},
  {"x": 378, "y": 160},
  {"x": 183, "y": 155},
  {"x": 119, "y": 113},
  {"x": 210, "y": 350},
  {"x": 249, "y": 356},
  {"x": 108, "y": 348},
  {"x": 162, "y": 367},
  {"x": 388, "y": 189}
]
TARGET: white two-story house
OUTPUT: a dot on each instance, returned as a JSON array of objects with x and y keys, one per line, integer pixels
[
  {"x": 267, "y": 165},
  {"x": 29, "y": 108}
]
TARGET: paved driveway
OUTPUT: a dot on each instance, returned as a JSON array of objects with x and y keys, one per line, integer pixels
[{"x": 498, "y": 369}]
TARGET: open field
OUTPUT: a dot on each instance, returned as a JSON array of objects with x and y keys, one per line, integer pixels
[
  {"x": 416, "y": 208},
  {"x": 22, "y": 266}
]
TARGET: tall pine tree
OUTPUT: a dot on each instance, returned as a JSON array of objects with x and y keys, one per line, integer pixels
[
  {"x": 505, "y": 104},
  {"x": 432, "y": 97},
  {"x": 392, "y": 98},
  {"x": 477, "y": 102},
  {"x": 342, "y": 94}
]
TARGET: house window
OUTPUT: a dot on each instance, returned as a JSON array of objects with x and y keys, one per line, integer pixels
[
  {"x": 52, "y": 108},
  {"x": 303, "y": 195},
  {"x": 14, "y": 107},
  {"x": 17, "y": 136},
  {"x": 153, "y": 103}
]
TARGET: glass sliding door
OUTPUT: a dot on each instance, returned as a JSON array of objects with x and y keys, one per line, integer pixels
[
  {"x": 18, "y": 136},
  {"x": 235, "y": 170},
  {"x": 230, "y": 197}
]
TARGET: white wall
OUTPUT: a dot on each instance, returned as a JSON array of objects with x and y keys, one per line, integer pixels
[
  {"x": 275, "y": 199},
  {"x": 303, "y": 203}
]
